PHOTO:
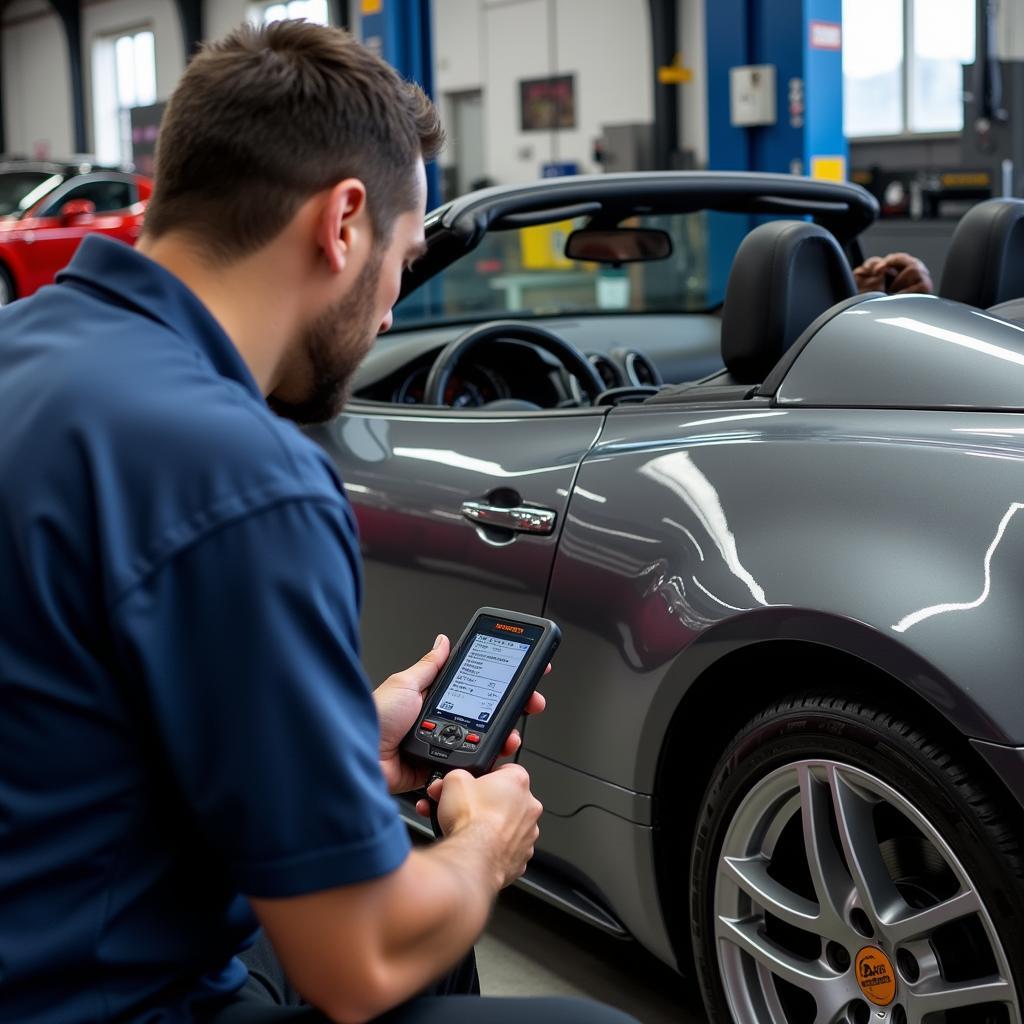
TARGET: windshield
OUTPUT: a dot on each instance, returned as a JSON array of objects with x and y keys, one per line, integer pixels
[
  {"x": 21, "y": 189},
  {"x": 524, "y": 273}
]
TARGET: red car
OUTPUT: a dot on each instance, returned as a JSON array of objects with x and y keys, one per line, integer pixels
[{"x": 46, "y": 209}]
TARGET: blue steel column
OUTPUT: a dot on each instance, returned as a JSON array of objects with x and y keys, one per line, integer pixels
[
  {"x": 776, "y": 32},
  {"x": 400, "y": 31}
]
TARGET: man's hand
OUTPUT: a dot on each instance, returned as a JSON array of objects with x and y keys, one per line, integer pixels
[
  {"x": 399, "y": 702},
  {"x": 899, "y": 273},
  {"x": 497, "y": 810}
]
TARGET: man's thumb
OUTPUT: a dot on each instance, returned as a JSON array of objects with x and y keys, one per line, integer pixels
[{"x": 425, "y": 670}]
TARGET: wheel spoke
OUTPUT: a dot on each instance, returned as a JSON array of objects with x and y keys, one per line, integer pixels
[
  {"x": 919, "y": 924},
  {"x": 806, "y": 974},
  {"x": 751, "y": 875},
  {"x": 938, "y": 995},
  {"x": 761, "y": 884},
  {"x": 879, "y": 897},
  {"x": 831, "y": 880},
  {"x": 772, "y": 1003}
]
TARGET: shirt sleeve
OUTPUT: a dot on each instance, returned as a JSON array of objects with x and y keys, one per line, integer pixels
[{"x": 244, "y": 649}]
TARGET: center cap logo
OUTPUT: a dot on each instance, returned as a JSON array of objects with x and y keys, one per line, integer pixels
[{"x": 876, "y": 976}]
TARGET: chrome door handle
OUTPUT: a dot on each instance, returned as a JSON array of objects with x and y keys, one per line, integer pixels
[{"x": 521, "y": 519}]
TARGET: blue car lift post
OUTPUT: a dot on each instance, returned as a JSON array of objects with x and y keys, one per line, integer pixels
[
  {"x": 802, "y": 39},
  {"x": 400, "y": 31}
]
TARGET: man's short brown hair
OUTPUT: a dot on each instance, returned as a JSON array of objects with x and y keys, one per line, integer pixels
[{"x": 269, "y": 116}]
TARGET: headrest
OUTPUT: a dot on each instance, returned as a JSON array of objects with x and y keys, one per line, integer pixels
[
  {"x": 785, "y": 274},
  {"x": 985, "y": 265}
]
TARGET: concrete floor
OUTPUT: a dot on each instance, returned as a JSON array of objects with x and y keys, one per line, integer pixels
[{"x": 532, "y": 949}]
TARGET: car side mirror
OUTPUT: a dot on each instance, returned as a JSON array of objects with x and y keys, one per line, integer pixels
[{"x": 77, "y": 212}]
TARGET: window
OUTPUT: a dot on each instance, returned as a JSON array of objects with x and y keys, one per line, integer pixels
[
  {"x": 106, "y": 194},
  {"x": 523, "y": 272},
  {"x": 20, "y": 190},
  {"x": 124, "y": 76},
  {"x": 902, "y": 65},
  {"x": 312, "y": 10}
]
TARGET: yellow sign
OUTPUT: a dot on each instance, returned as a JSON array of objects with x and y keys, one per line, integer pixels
[
  {"x": 876, "y": 976},
  {"x": 966, "y": 180},
  {"x": 371, "y": 6},
  {"x": 543, "y": 246},
  {"x": 828, "y": 168},
  {"x": 675, "y": 73}
]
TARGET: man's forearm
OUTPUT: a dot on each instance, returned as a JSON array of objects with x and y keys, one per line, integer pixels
[
  {"x": 442, "y": 906},
  {"x": 357, "y": 951}
]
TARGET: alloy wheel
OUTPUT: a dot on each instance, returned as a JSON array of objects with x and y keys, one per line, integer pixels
[{"x": 837, "y": 902}]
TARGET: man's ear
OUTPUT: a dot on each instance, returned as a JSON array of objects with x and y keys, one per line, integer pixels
[{"x": 342, "y": 219}]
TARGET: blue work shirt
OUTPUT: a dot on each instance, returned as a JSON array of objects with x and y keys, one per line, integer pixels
[{"x": 184, "y": 720}]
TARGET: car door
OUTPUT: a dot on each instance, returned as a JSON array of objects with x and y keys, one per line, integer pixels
[
  {"x": 49, "y": 243},
  {"x": 416, "y": 479}
]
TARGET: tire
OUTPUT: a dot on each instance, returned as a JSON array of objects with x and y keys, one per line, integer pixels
[
  {"x": 7, "y": 293},
  {"x": 898, "y": 829}
]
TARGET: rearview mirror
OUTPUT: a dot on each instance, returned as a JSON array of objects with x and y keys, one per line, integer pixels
[
  {"x": 77, "y": 211},
  {"x": 618, "y": 245}
]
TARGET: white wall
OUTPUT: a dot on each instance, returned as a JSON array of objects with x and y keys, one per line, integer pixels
[
  {"x": 37, "y": 91},
  {"x": 693, "y": 96},
  {"x": 1010, "y": 30},
  {"x": 221, "y": 16},
  {"x": 493, "y": 44},
  {"x": 479, "y": 44}
]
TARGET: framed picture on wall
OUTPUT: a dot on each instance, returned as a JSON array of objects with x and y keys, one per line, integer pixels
[{"x": 547, "y": 103}]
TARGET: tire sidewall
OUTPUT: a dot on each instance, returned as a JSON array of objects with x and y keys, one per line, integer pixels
[{"x": 880, "y": 747}]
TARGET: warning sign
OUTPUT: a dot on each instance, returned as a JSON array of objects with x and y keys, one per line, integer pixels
[{"x": 826, "y": 35}]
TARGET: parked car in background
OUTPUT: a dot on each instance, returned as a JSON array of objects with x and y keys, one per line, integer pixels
[
  {"x": 47, "y": 208},
  {"x": 784, "y": 743}
]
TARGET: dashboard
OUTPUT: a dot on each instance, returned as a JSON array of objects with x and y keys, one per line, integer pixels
[
  {"x": 475, "y": 386},
  {"x": 668, "y": 349},
  {"x": 494, "y": 371}
]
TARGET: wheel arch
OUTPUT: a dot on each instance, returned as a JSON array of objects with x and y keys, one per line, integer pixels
[
  {"x": 783, "y": 667},
  {"x": 8, "y": 270}
]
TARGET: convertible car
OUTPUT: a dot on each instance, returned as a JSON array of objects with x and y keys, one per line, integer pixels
[{"x": 779, "y": 524}]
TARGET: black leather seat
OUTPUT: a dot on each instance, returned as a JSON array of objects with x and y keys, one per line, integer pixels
[
  {"x": 784, "y": 276},
  {"x": 985, "y": 265}
]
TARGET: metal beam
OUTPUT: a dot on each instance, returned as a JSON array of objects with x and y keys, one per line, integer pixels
[
  {"x": 70, "y": 14},
  {"x": 340, "y": 15},
  {"x": 190, "y": 14},
  {"x": 664, "y": 43}
]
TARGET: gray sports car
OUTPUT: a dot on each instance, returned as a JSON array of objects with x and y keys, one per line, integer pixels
[{"x": 779, "y": 525}]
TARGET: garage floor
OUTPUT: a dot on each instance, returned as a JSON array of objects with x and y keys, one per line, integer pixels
[{"x": 532, "y": 949}]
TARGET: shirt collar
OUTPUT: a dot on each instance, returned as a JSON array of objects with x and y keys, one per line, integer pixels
[{"x": 120, "y": 272}]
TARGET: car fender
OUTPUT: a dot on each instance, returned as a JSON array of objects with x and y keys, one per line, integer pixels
[
  {"x": 893, "y": 537},
  {"x": 802, "y": 630}
]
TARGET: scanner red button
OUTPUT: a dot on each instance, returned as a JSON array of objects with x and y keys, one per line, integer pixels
[
  {"x": 472, "y": 738},
  {"x": 429, "y": 726}
]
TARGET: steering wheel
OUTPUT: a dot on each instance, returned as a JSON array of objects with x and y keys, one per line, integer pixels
[{"x": 572, "y": 360}]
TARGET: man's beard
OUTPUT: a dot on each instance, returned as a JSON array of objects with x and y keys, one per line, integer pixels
[{"x": 334, "y": 345}]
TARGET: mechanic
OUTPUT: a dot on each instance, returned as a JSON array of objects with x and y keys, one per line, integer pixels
[
  {"x": 189, "y": 747},
  {"x": 899, "y": 273}
]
